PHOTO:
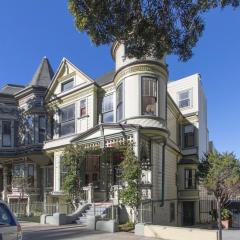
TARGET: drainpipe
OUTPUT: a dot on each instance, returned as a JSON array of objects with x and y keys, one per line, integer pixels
[{"x": 163, "y": 174}]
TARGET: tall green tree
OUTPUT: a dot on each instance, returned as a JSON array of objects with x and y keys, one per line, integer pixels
[
  {"x": 131, "y": 173},
  {"x": 73, "y": 162},
  {"x": 155, "y": 27},
  {"x": 220, "y": 174}
]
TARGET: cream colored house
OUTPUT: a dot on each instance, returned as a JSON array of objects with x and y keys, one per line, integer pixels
[{"x": 166, "y": 121}]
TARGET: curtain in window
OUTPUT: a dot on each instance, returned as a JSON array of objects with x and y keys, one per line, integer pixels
[
  {"x": 149, "y": 95},
  {"x": 83, "y": 108}
]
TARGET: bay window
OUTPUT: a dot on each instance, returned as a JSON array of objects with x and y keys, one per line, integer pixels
[
  {"x": 107, "y": 109},
  {"x": 188, "y": 135},
  {"x": 83, "y": 108},
  {"x": 149, "y": 96},
  {"x": 67, "y": 124},
  {"x": 190, "y": 179},
  {"x": 41, "y": 129},
  {"x": 119, "y": 102},
  {"x": 29, "y": 130},
  {"x": 6, "y": 133}
]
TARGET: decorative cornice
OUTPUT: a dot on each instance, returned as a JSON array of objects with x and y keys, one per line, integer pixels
[{"x": 141, "y": 67}]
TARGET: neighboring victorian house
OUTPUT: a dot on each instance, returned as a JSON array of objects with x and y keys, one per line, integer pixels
[{"x": 136, "y": 102}]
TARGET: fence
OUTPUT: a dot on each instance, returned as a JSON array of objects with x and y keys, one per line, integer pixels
[
  {"x": 208, "y": 204},
  {"x": 39, "y": 208},
  {"x": 145, "y": 212}
]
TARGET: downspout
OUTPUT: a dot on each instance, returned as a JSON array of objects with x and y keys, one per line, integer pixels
[{"x": 163, "y": 174}]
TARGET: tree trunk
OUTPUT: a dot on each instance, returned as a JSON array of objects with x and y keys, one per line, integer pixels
[{"x": 219, "y": 219}]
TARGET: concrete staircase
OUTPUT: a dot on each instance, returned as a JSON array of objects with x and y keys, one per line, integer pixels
[{"x": 103, "y": 210}]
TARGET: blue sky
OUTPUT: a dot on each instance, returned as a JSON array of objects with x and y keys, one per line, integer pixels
[{"x": 30, "y": 30}]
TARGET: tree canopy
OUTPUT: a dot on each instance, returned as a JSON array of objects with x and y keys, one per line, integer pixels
[
  {"x": 155, "y": 27},
  {"x": 220, "y": 174}
]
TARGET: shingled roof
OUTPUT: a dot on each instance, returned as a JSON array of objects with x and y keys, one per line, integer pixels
[
  {"x": 43, "y": 75},
  {"x": 12, "y": 89},
  {"x": 105, "y": 79}
]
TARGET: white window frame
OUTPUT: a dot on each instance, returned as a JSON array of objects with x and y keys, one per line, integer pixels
[
  {"x": 60, "y": 118},
  {"x": 123, "y": 102},
  {"x": 66, "y": 81},
  {"x": 154, "y": 78},
  {"x": 190, "y": 97},
  {"x": 104, "y": 112}
]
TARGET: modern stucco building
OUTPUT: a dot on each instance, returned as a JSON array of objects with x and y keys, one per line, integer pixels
[{"x": 166, "y": 121}]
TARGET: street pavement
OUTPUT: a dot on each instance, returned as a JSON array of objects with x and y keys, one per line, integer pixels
[{"x": 35, "y": 231}]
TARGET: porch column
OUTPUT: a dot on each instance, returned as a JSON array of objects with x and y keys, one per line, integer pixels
[
  {"x": 57, "y": 169},
  {"x": 4, "y": 192}
]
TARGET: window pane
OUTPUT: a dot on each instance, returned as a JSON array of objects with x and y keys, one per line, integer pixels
[
  {"x": 30, "y": 170},
  {"x": 67, "y": 85},
  {"x": 68, "y": 128},
  {"x": 149, "y": 96},
  {"x": 120, "y": 102},
  {"x": 184, "y": 103},
  {"x": 119, "y": 94},
  {"x": 190, "y": 178},
  {"x": 6, "y": 133},
  {"x": 108, "y": 117},
  {"x": 19, "y": 170},
  {"x": 184, "y": 99},
  {"x": 188, "y": 129},
  {"x": 188, "y": 136},
  {"x": 42, "y": 128},
  {"x": 63, "y": 173},
  {"x": 42, "y": 122},
  {"x": 119, "y": 112},
  {"x": 107, "y": 104},
  {"x": 183, "y": 95},
  {"x": 83, "y": 108},
  {"x": 68, "y": 113}
]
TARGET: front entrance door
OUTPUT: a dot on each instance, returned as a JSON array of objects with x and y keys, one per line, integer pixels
[
  {"x": 92, "y": 170},
  {"x": 188, "y": 213}
]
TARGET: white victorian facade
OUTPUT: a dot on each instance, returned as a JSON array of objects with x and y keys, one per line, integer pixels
[{"x": 166, "y": 121}]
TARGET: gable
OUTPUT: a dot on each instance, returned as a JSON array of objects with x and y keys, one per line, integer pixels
[{"x": 65, "y": 73}]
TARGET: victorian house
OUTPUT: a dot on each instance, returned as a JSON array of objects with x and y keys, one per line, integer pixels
[{"x": 135, "y": 102}]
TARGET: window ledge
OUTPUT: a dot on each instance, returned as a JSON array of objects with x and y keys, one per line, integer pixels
[{"x": 86, "y": 116}]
